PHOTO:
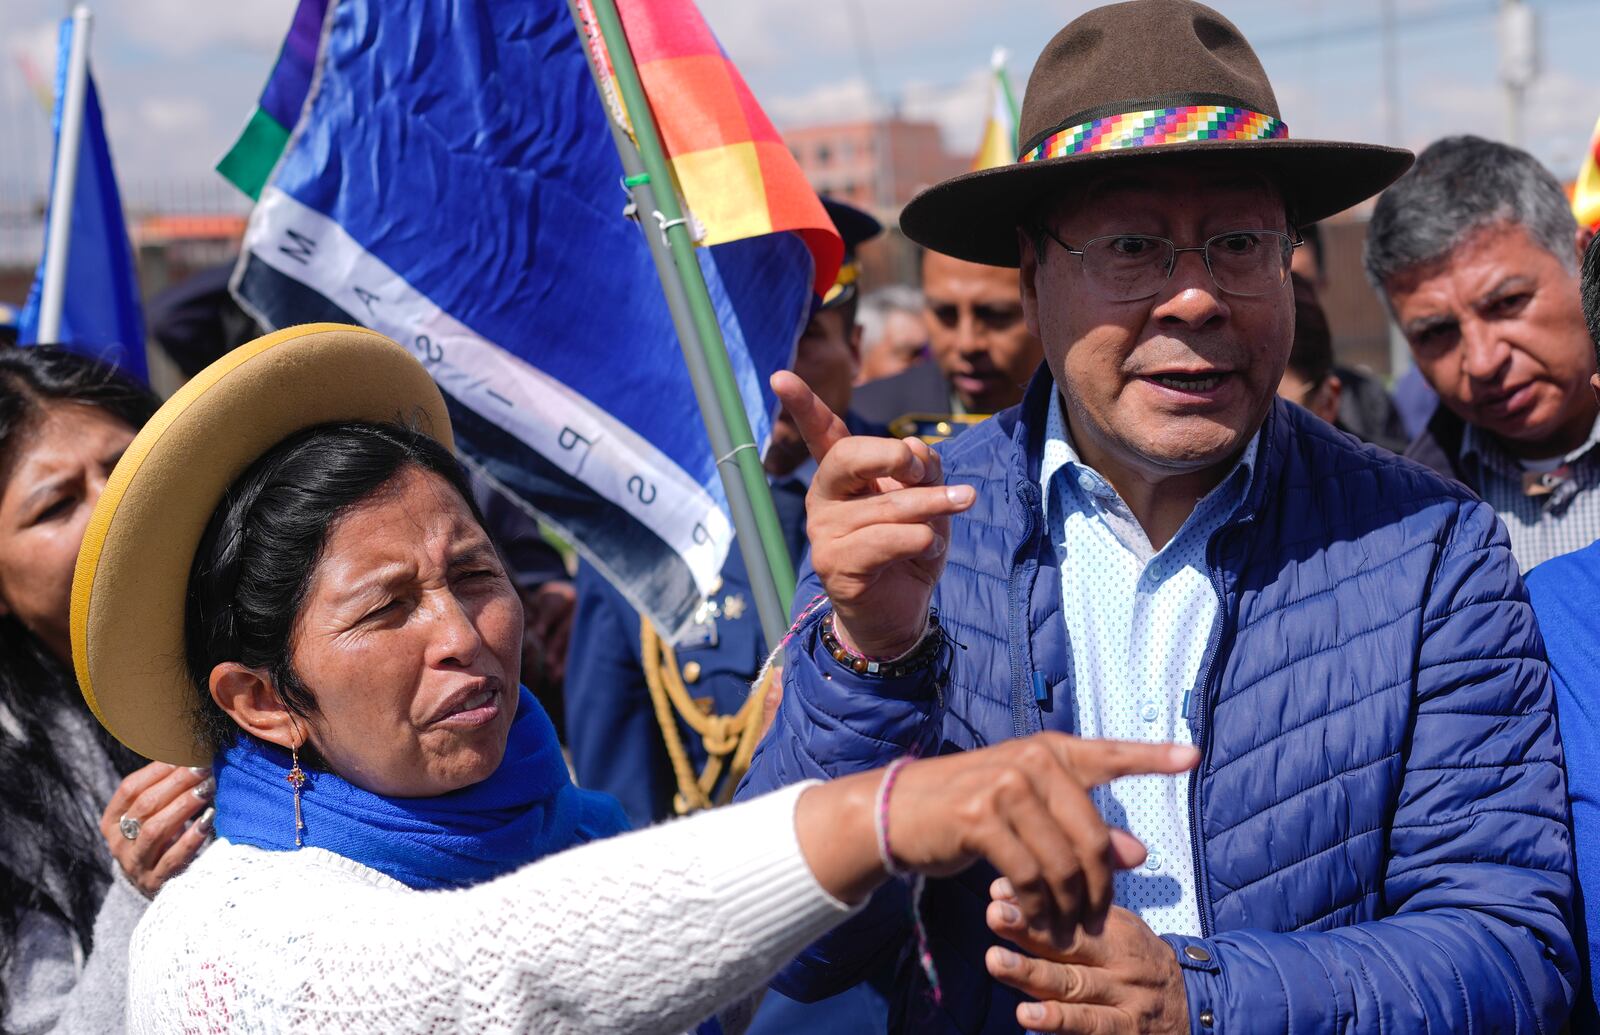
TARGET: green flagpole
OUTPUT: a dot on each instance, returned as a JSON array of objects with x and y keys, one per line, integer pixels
[
  {"x": 1011, "y": 97},
  {"x": 661, "y": 217}
]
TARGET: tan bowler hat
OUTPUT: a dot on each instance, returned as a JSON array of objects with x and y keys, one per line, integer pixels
[{"x": 130, "y": 588}]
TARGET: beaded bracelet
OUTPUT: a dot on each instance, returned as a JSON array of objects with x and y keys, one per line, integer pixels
[{"x": 925, "y": 653}]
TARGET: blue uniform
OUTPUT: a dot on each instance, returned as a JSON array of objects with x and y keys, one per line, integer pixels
[{"x": 618, "y": 746}]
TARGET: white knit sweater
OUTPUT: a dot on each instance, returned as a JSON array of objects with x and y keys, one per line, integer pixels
[{"x": 648, "y": 932}]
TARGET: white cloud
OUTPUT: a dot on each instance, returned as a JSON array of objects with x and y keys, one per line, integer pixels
[
  {"x": 172, "y": 115},
  {"x": 1549, "y": 129},
  {"x": 847, "y": 101},
  {"x": 796, "y": 31},
  {"x": 961, "y": 109},
  {"x": 187, "y": 27}
]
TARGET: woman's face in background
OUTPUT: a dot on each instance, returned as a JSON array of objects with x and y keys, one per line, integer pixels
[
  {"x": 50, "y": 480},
  {"x": 410, "y": 640}
]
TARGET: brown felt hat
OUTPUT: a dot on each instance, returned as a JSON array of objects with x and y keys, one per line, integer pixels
[
  {"x": 1137, "y": 82},
  {"x": 130, "y": 589}
]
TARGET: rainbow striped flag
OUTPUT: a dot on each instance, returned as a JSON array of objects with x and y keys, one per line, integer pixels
[
  {"x": 1586, "y": 192},
  {"x": 734, "y": 172}
]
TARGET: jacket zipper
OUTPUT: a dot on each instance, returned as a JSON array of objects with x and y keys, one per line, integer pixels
[
  {"x": 1197, "y": 728},
  {"x": 1019, "y": 614}
]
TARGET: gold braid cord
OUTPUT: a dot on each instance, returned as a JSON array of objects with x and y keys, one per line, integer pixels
[{"x": 730, "y": 740}]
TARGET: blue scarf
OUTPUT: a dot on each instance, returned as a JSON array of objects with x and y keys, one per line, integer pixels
[{"x": 526, "y": 810}]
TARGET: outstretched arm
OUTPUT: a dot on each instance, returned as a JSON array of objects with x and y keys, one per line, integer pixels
[{"x": 648, "y": 932}]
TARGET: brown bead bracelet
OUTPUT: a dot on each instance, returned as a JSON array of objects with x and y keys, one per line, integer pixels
[{"x": 925, "y": 653}]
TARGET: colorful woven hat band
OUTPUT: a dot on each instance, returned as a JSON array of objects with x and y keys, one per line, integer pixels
[{"x": 1180, "y": 125}]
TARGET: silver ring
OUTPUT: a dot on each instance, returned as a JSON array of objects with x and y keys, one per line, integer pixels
[{"x": 129, "y": 827}]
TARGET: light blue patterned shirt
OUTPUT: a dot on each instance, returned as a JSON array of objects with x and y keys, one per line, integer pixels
[
  {"x": 1139, "y": 621},
  {"x": 1548, "y": 509}
]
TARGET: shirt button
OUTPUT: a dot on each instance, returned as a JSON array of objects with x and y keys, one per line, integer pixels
[
  {"x": 1152, "y": 862},
  {"x": 691, "y": 671},
  {"x": 1149, "y": 712}
]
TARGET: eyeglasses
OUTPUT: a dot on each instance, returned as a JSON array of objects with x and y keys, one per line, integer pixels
[{"x": 1130, "y": 267}]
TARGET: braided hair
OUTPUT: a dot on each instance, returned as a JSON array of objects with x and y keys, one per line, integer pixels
[{"x": 40, "y": 796}]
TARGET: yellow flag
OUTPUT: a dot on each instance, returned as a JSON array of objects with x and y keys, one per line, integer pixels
[
  {"x": 1586, "y": 193},
  {"x": 999, "y": 145}
]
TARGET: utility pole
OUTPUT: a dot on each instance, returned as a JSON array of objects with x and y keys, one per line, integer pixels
[
  {"x": 1518, "y": 32},
  {"x": 1391, "y": 75}
]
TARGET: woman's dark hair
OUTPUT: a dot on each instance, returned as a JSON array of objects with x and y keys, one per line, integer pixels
[
  {"x": 255, "y": 560},
  {"x": 47, "y": 836}
]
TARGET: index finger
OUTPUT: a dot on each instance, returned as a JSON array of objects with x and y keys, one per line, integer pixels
[
  {"x": 819, "y": 426},
  {"x": 1101, "y": 761}
]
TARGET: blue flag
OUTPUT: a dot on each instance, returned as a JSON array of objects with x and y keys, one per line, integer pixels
[
  {"x": 452, "y": 183},
  {"x": 101, "y": 314}
]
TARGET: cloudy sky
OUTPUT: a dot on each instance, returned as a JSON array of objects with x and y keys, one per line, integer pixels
[{"x": 178, "y": 77}]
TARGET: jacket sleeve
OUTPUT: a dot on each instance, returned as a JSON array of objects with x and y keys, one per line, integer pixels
[
  {"x": 832, "y": 722},
  {"x": 1479, "y": 882}
]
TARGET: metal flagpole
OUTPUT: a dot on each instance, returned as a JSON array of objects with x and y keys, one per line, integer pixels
[
  {"x": 58, "y": 236},
  {"x": 649, "y": 178}
]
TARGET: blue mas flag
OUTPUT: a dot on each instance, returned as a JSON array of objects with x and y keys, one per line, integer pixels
[
  {"x": 452, "y": 183},
  {"x": 100, "y": 314}
]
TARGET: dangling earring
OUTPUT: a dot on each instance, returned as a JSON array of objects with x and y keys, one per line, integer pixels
[{"x": 297, "y": 779}]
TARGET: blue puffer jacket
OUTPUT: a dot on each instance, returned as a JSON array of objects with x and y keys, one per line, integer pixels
[{"x": 1380, "y": 811}]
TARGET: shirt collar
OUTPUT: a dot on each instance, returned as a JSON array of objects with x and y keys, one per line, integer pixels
[
  {"x": 1485, "y": 449},
  {"x": 1060, "y": 454}
]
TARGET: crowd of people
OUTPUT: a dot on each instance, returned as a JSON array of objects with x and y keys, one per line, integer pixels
[{"x": 1150, "y": 671}]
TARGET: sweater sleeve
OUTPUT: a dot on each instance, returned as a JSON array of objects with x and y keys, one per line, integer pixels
[
  {"x": 46, "y": 991},
  {"x": 1479, "y": 883},
  {"x": 647, "y": 932}
]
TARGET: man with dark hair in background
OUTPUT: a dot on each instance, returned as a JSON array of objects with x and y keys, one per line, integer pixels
[
  {"x": 983, "y": 353},
  {"x": 1476, "y": 251},
  {"x": 1566, "y": 596}
]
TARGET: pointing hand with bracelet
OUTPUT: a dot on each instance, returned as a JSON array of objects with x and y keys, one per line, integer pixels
[
  {"x": 878, "y": 517},
  {"x": 1023, "y": 805}
]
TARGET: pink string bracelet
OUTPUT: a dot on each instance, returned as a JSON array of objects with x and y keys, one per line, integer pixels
[
  {"x": 880, "y": 817},
  {"x": 880, "y": 820}
]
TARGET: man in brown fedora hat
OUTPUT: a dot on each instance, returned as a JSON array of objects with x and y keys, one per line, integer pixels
[{"x": 1152, "y": 546}]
